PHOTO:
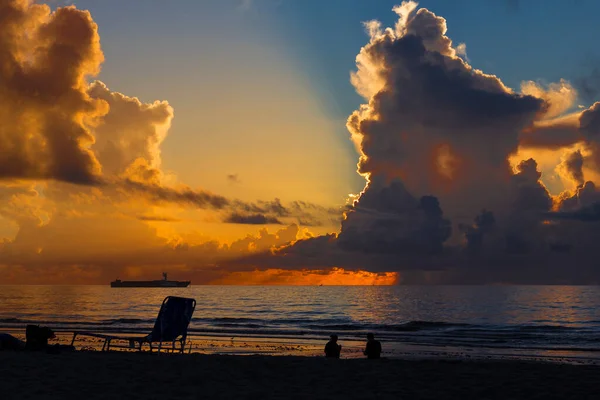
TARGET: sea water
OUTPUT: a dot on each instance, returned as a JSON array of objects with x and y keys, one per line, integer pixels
[{"x": 542, "y": 320}]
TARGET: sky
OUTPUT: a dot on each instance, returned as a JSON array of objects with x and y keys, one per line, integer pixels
[{"x": 299, "y": 142}]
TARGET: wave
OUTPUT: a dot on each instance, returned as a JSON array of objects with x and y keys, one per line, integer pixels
[
  {"x": 438, "y": 333},
  {"x": 118, "y": 321},
  {"x": 333, "y": 324},
  {"x": 132, "y": 321}
]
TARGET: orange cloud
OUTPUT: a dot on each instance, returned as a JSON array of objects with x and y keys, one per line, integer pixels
[
  {"x": 334, "y": 276},
  {"x": 208, "y": 275},
  {"x": 45, "y": 109}
]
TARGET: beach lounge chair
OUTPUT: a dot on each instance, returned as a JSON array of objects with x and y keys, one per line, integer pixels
[{"x": 170, "y": 326}]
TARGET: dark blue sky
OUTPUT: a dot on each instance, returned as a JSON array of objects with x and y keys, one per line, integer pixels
[{"x": 539, "y": 39}]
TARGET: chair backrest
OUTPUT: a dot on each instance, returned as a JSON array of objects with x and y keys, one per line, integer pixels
[{"x": 173, "y": 319}]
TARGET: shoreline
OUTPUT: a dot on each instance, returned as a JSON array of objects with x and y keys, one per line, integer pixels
[
  {"x": 352, "y": 349},
  {"x": 96, "y": 375}
]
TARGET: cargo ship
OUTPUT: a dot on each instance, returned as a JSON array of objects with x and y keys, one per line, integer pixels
[{"x": 163, "y": 283}]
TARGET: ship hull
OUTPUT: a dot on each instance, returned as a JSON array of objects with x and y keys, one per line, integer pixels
[{"x": 149, "y": 284}]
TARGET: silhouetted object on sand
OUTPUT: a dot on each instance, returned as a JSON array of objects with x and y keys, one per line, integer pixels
[
  {"x": 171, "y": 325},
  {"x": 37, "y": 337},
  {"x": 9, "y": 342},
  {"x": 36, "y": 340},
  {"x": 332, "y": 348},
  {"x": 373, "y": 349}
]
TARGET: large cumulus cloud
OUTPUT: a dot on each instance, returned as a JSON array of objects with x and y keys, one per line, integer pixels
[
  {"x": 439, "y": 126},
  {"x": 45, "y": 60},
  {"x": 56, "y": 126},
  {"x": 433, "y": 121},
  {"x": 132, "y": 130},
  {"x": 436, "y": 139}
]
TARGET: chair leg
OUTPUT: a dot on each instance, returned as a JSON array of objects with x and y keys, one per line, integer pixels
[
  {"x": 108, "y": 345},
  {"x": 74, "y": 336}
]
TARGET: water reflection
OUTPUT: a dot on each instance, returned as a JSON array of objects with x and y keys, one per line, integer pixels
[{"x": 492, "y": 315}]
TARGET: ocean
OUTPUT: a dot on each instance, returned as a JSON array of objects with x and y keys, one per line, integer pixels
[{"x": 541, "y": 321}]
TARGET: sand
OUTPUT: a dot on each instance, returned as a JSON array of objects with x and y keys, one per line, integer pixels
[{"x": 121, "y": 375}]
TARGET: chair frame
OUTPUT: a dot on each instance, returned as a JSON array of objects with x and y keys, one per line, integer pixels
[{"x": 142, "y": 339}]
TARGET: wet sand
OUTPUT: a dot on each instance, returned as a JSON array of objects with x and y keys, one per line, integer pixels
[{"x": 123, "y": 375}]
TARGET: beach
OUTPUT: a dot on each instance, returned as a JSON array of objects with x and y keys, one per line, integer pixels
[
  {"x": 122, "y": 375},
  {"x": 267, "y": 342}
]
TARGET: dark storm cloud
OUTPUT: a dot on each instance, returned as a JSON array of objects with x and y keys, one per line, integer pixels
[
  {"x": 433, "y": 125},
  {"x": 572, "y": 165},
  {"x": 589, "y": 121},
  {"x": 584, "y": 196},
  {"x": 432, "y": 120},
  {"x": 589, "y": 213},
  {"x": 552, "y": 134},
  {"x": 475, "y": 233},
  {"x": 530, "y": 193},
  {"x": 390, "y": 220}
]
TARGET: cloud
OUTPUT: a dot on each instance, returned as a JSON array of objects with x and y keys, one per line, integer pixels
[
  {"x": 461, "y": 51},
  {"x": 555, "y": 133},
  {"x": 182, "y": 195},
  {"x": 559, "y": 97},
  {"x": 58, "y": 252},
  {"x": 130, "y": 131},
  {"x": 233, "y": 178},
  {"x": 582, "y": 198},
  {"x": 157, "y": 218},
  {"x": 251, "y": 219},
  {"x": 483, "y": 224},
  {"x": 387, "y": 219},
  {"x": 588, "y": 83},
  {"x": 571, "y": 167},
  {"x": 81, "y": 178},
  {"x": 327, "y": 277},
  {"x": 56, "y": 126},
  {"x": 46, "y": 111},
  {"x": 587, "y": 214},
  {"x": 442, "y": 203},
  {"x": 432, "y": 120},
  {"x": 435, "y": 136}
]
